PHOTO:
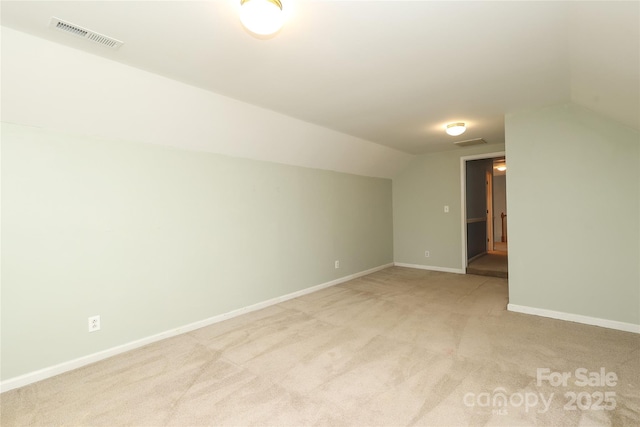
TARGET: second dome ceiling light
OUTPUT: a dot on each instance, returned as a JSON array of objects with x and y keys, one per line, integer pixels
[{"x": 455, "y": 129}]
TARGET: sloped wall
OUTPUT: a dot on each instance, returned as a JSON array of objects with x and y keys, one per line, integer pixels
[{"x": 156, "y": 204}]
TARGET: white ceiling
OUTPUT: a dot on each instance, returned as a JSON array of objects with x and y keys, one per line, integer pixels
[{"x": 391, "y": 72}]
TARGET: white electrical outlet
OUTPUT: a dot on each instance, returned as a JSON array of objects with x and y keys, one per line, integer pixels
[
  {"x": 426, "y": 254},
  {"x": 446, "y": 208},
  {"x": 94, "y": 323},
  {"x": 337, "y": 264}
]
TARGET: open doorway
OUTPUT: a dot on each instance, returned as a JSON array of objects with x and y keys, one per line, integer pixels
[{"x": 485, "y": 241}]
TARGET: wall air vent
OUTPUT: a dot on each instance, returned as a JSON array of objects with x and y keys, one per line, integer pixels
[
  {"x": 76, "y": 30},
  {"x": 470, "y": 142}
]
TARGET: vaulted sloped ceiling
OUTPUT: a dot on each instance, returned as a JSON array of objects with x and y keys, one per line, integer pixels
[
  {"x": 391, "y": 72},
  {"x": 604, "y": 44}
]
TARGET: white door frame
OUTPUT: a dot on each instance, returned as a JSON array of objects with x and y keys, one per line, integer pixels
[{"x": 463, "y": 196}]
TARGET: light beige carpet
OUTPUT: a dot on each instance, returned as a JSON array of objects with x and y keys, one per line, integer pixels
[{"x": 398, "y": 347}]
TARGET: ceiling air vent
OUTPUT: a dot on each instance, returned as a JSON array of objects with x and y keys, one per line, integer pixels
[
  {"x": 60, "y": 25},
  {"x": 470, "y": 142}
]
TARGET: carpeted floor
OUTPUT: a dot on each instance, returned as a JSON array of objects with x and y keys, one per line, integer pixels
[{"x": 398, "y": 347}]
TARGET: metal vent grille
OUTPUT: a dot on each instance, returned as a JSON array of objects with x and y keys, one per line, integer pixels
[
  {"x": 76, "y": 30},
  {"x": 467, "y": 142}
]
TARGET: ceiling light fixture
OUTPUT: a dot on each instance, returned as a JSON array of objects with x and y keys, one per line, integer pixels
[
  {"x": 262, "y": 17},
  {"x": 501, "y": 168},
  {"x": 455, "y": 129}
]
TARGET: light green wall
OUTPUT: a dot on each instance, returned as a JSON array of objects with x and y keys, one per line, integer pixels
[
  {"x": 573, "y": 196},
  {"x": 152, "y": 238},
  {"x": 420, "y": 224}
]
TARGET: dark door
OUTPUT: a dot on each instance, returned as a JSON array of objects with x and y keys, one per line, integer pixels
[{"x": 476, "y": 201}]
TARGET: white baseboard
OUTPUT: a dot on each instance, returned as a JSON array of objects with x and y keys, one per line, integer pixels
[
  {"x": 52, "y": 371},
  {"x": 578, "y": 318},
  {"x": 429, "y": 267}
]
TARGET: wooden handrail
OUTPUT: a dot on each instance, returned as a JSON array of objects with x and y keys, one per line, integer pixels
[{"x": 504, "y": 227}]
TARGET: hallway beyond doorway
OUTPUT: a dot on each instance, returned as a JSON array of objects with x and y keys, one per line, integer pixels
[
  {"x": 500, "y": 247},
  {"x": 493, "y": 264}
]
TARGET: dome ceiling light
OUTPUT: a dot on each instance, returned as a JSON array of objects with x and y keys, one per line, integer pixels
[
  {"x": 262, "y": 17},
  {"x": 455, "y": 129}
]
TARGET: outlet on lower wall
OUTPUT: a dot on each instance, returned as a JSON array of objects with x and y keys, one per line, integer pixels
[
  {"x": 426, "y": 254},
  {"x": 94, "y": 323},
  {"x": 337, "y": 264}
]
